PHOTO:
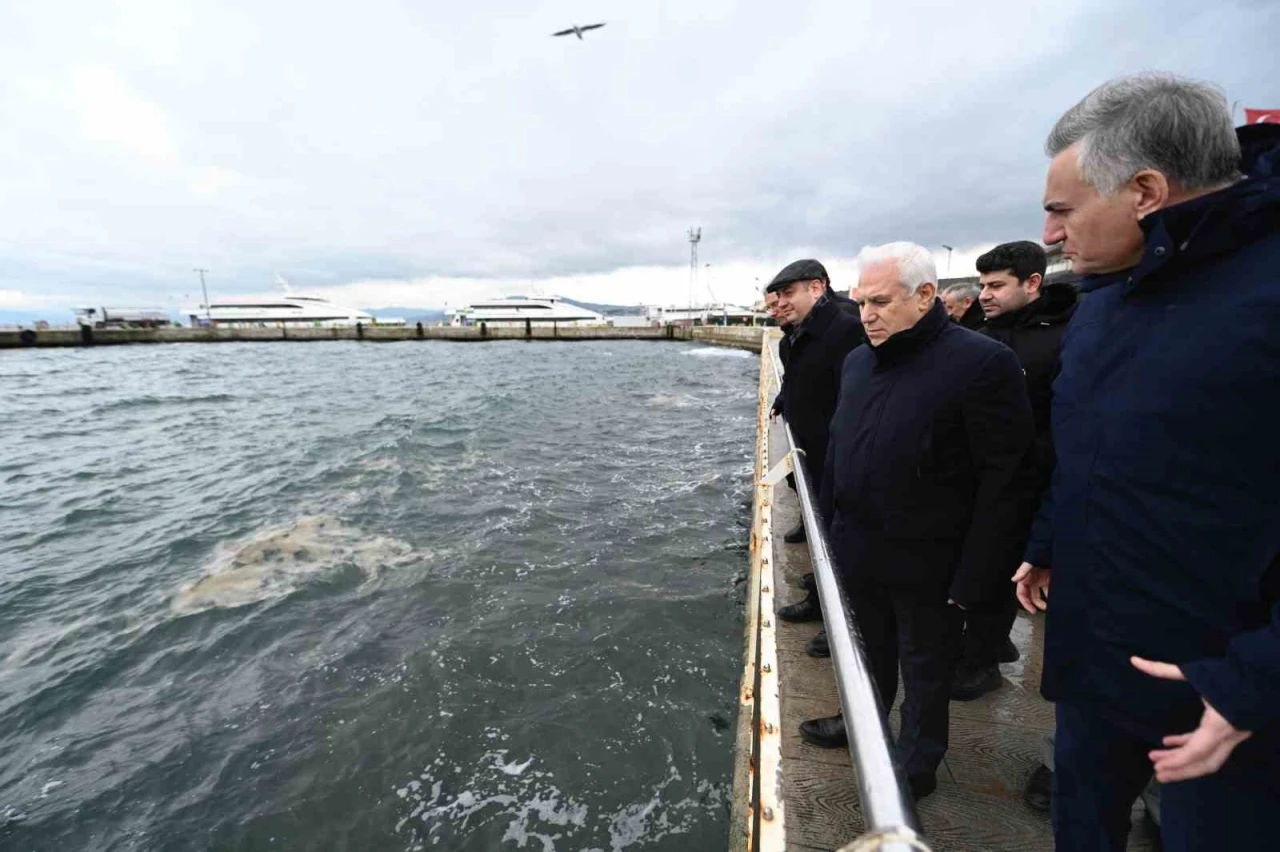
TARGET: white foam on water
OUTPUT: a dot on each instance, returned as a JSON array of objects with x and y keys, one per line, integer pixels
[
  {"x": 499, "y": 788},
  {"x": 670, "y": 400},
  {"x": 277, "y": 560},
  {"x": 718, "y": 352}
]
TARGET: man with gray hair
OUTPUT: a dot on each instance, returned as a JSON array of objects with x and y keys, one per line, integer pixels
[
  {"x": 961, "y": 302},
  {"x": 1161, "y": 530},
  {"x": 922, "y": 492}
]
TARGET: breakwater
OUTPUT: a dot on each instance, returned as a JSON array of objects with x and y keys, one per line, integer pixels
[{"x": 740, "y": 337}]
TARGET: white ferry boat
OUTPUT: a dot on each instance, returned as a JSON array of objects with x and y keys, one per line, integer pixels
[
  {"x": 516, "y": 310},
  {"x": 287, "y": 309}
]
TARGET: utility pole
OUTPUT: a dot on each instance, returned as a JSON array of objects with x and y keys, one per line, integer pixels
[
  {"x": 949, "y": 250},
  {"x": 208, "y": 318},
  {"x": 695, "y": 237}
]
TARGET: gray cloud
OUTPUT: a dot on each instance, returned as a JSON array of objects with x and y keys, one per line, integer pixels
[{"x": 407, "y": 140}]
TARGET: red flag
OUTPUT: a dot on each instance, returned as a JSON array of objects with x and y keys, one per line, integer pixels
[{"x": 1261, "y": 116}]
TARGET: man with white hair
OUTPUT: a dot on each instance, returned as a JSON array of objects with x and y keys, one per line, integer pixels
[
  {"x": 1161, "y": 530},
  {"x": 961, "y": 302},
  {"x": 921, "y": 492}
]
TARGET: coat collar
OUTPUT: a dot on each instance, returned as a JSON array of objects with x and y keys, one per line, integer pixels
[
  {"x": 909, "y": 341},
  {"x": 1213, "y": 224},
  {"x": 1056, "y": 304},
  {"x": 815, "y": 324}
]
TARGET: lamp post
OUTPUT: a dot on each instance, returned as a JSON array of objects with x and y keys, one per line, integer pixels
[
  {"x": 207, "y": 316},
  {"x": 949, "y": 250}
]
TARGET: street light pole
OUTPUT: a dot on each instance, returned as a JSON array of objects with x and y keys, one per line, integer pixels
[
  {"x": 949, "y": 250},
  {"x": 207, "y": 316}
]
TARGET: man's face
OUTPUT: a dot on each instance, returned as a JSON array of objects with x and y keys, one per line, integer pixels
[
  {"x": 771, "y": 305},
  {"x": 1003, "y": 293},
  {"x": 956, "y": 305},
  {"x": 1101, "y": 234},
  {"x": 796, "y": 300},
  {"x": 886, "y": 306}
]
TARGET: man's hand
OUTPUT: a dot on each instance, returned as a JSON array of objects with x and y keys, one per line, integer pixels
[
  {"x": 1033, "y": 587},
  {"x": 1201, "y": 752}
]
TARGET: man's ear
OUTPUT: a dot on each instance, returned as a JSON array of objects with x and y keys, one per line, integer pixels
[
  {"x": 927, "y": 293},
  {"x": 1151, "y": 192},
  {"x": 1033, "y": 282}
]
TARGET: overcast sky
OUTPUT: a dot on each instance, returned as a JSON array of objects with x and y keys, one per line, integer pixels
[{"x": 418, "y": 153}]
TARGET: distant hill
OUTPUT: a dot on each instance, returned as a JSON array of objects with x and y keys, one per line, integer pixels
[
  {"x": 608, "y": 310},
  {"x": 54, "y": 316}
]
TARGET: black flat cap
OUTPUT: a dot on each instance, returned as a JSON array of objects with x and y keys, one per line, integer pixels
[{"x": 800, "y": 270}]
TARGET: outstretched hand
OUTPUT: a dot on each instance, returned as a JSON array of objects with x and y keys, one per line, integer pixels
[
  {"x": 1033, "y": 587},
  {"x": 1200, "y": 752}
]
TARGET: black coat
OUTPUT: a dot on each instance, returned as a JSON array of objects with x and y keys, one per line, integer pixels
[
  {"x": 926, "y": 481},
  {"x": 812, "y": 379},
  {"x": 974, "y": 319},
  {"x": 1034, "y": 333},
  {"x": 845, "y": 304},
  {"x": 784, "y": 345}
]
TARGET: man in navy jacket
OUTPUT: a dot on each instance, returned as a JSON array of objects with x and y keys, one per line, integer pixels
[
  {"x": 923, "y": 491},
  {"x": 1162, "y": 526}
]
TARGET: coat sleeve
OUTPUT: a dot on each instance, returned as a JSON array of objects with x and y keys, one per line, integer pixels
[
  {"x": 1000, "y": 430},
  {"x": 1244, "y": 685},
  {"x": 1039, "y": 550}
]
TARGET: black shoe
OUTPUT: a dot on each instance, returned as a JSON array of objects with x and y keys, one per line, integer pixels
[
  {"x": 1009, "y": 652},
  {"x": 922, "y": 785},
  {"x": 809, "y": 582},
  {"x": 1039, "y": 790},
  {"x": 796, "y": 533},
  {"x": 818, "y": 646},
  {"x": 970, "y": 684},
  {"x": 806, "y": 610},
  {"x": 825, "y": 733}
]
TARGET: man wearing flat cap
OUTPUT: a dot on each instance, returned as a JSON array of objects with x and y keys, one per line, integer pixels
[{"x": 821, "y": 336}]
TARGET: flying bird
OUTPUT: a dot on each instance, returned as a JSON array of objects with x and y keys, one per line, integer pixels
[{"x": 577, "y": 30}]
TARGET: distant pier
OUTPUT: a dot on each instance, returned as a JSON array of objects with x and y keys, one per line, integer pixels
[{"x": 741, "y": 337}]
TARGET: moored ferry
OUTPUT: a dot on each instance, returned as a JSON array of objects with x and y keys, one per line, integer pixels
[{"x": 517, "y": 310}]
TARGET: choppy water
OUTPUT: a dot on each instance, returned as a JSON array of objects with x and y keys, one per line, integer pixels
[{"x": 371, "y": 596}]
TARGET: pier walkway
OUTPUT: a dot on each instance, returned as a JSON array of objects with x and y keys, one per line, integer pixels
[{"x": 812, "y": 795}]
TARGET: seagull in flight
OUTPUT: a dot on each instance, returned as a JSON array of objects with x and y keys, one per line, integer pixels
[{"x": 577, "y": 30}]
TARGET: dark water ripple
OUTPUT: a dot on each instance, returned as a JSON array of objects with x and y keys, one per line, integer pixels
[{"x": 388, "y": 596}]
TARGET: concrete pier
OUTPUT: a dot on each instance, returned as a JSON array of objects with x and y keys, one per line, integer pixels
[
  {"x": 743, "y": 337},
  {"x": 811, "y": 796}
]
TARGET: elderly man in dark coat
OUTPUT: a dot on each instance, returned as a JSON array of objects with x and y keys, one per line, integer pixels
[
  {"x": 923, "y": 491},
  {"x": 1162, "y": 528}
]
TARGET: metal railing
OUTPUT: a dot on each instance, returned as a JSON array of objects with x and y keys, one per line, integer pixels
[{"x": 888, "y": 808}]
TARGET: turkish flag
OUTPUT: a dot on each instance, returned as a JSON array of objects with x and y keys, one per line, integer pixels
[{"x": 1261, "y": 116}]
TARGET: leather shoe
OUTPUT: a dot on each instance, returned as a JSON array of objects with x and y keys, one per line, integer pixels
[
  {"x": 972, "y": 684},
  {"x": 1039, "y": 790},
  {"x": 922, "y": 785},
  {"x": 818, "y": 647},
  {"x": 796, "y": 534},
  {"x": 827, "y": 732},
  {"x": 1009, "y": 652},
  {"x": 806, "y": 610},
  {"x": 809, "y": 582}
]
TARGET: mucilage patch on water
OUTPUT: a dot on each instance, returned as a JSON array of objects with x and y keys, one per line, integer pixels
[{"x": 277, "y": 560}]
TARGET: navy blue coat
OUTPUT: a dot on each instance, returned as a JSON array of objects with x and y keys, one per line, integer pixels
[
  {"x": 812, "y": 378},
  {"x": 1162, "y": 526},
  {"x": 926, "y": 481}
]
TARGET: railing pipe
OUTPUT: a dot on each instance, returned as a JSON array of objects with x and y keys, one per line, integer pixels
[{"x": 887, "y": 807}]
